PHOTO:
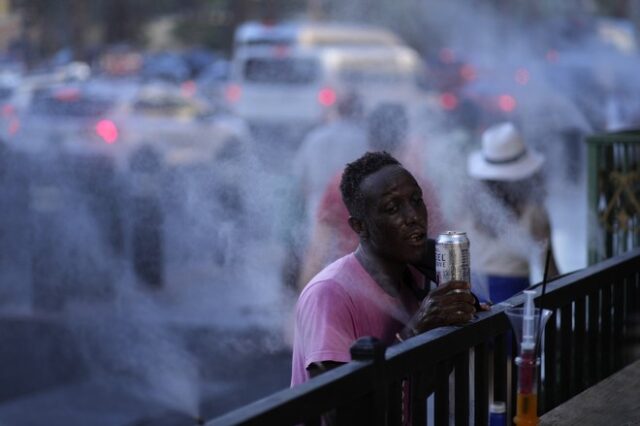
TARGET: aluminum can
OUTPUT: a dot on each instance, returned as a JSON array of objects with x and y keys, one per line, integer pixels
[{"x": 452, "y": 257}]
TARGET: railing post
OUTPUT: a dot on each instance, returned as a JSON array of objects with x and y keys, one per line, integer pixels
[{"x": 371, "y": 409}]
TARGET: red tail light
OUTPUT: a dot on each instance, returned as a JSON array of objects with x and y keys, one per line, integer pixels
[
  {"x": 448, "y": 101},
  {"x": 107, "y": 130},
  {"x": 327, "y": 97},
  {"x": 507, "y": 103},
  {"x": 233, "y": 93}
]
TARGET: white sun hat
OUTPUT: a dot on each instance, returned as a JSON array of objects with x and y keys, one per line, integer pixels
[{"x": 503, "y": 156}]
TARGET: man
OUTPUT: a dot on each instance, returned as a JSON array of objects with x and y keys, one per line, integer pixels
[{"x": 375, "y": 290}]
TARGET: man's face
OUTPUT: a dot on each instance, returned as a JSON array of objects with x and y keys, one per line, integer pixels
[{"x": 395, "y": 219}]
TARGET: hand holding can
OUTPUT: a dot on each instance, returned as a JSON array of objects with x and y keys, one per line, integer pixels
[{"x": 449, "y": 304}]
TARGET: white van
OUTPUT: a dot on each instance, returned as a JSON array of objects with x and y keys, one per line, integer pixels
[{"x": 288, "y": 77}]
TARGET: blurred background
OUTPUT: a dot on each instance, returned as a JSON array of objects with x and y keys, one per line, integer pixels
[{"x": 153, "y": 220}]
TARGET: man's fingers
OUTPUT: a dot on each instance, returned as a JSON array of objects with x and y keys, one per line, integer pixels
[
  {"x": 464, "y": 307},
  {"x": 462, "y": 316},
  {"x": 456, "y": 317},
  {"x": 457, "y": 312}
]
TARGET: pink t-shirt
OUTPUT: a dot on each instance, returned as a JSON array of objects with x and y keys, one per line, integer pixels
[{"x": 341, "y": 304}]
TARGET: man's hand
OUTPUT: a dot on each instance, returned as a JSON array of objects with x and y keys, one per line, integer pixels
[{"x": 449, "y": 304}]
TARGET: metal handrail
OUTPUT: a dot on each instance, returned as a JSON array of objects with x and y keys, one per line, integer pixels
[{"x": 594, "y": 310}]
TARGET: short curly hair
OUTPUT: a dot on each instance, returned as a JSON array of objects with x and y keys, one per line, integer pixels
[{"x": 355, "y": 172}]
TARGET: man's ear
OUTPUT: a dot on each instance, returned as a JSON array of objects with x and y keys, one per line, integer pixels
[{"x": 358, "y": 227}]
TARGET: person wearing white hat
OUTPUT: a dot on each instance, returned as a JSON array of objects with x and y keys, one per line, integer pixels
[{"x": 509, "y": 227}]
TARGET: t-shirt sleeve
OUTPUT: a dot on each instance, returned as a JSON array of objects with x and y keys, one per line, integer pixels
[{"x": 325, "y": 323}]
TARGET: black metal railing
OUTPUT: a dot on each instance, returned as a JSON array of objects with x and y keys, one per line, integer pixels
[{"x": 450, "y": 375}]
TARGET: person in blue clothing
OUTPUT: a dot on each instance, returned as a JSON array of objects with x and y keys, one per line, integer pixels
[{"x": 508, "y": 224}]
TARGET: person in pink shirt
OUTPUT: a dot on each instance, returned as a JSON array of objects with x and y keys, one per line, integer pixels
[{"x": 377, "y": 290}]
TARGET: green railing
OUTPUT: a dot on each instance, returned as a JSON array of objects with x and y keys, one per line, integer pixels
[{"x": 614, "y": 193}]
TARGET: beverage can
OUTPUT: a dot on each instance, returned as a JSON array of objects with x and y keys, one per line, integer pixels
[{"x": 452, "y": 257}]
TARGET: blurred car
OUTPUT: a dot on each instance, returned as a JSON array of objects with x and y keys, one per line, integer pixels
[
  {"x": 113, "y": 118},
  {"x": 184, "y": 129},
  {"x": 65, "y": 118},
  {"x": 477, "y": 92},
  {"x": 446, "y": 72},
  {"x": 19, "y": 88},
  {"x": 498, "y": 94},
  {"x": 286, "y": 78}
]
